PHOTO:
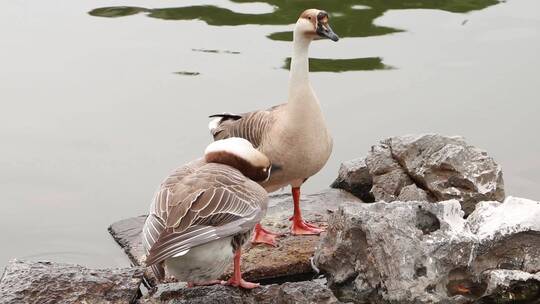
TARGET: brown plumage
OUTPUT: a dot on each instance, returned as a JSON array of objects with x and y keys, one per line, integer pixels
[
  {"x": 253, "y": 126},
  {"x": 196, "y": 204}
]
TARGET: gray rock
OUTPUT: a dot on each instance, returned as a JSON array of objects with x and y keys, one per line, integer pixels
[
  {"x": 422, "y": 252},
  {"x": 413, "y": 193},
  {"x": 354, "y": 177},
  {"x": 508, "y": 235},
  {"x": 427, "y": 167},
  {"x": 291, "y": 259},
  {"x": 46, "y": 282},
  {"x": 511, "y": 286},
  {"x": 306, "y": 292},
  {"x": 388, "y": 176}
]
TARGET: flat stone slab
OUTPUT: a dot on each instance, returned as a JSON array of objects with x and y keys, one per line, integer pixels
[
  {"x": 292, "y": 256},
  {"x": 50, "y": 283},
  {"x": 306, "y": 292}
]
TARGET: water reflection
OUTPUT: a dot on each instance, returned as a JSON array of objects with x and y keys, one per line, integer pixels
[
  {"x": 117, "y": 11},
  {"x": 350, "y": 18},
  {"x": 343, "y": 65}
]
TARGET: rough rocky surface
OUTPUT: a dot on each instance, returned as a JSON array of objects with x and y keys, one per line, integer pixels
[
  {"x": 291, "y": 259},
  {"x": 46, "y": 282},
  {"x": 508, "y": 235},
  {"x": 307, "y": 292},
  {"x": 422, "y": 252},
  {"x": 427, "y": 167},
  {"x": 354, "y": 177},
  {"x": 511, "y": 286}
]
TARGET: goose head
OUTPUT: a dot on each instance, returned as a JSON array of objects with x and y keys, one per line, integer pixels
[
  {"x": 240, "y": 154},
  {"x": 313, "y": 24}
]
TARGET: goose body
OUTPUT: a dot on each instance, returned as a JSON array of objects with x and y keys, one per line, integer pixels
[
  {"x": 204, "y": 211},
  {"x": 293, "y": 135},
  {"x": 297, "y": 147}
]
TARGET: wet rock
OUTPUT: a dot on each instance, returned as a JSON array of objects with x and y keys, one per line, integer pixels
[
  {"x": 290, "y": 260},
  {"x": 511, "y": 286},
  {"x": 307, "y": 292},
  {"x": 46, "y": 282},
  {"x": 422, "y": 252},
  {"x": 427, "y": 167}
]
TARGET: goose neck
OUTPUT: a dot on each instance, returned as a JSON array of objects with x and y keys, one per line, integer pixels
[{"x": 299, "y": 75}]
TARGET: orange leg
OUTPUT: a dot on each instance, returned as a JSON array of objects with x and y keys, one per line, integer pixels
[
  {"x": 263, "y": 236},
  {"x": 236, "y": 280},
  {"x": 299, "y": 226}
]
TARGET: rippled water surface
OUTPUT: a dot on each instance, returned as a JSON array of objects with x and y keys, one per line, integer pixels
[{"x": 100, "y": 99}]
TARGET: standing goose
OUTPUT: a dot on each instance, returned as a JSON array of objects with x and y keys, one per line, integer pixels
[
  {"x": 204, "y": 212},
  {"x": 293, "y": 135}
]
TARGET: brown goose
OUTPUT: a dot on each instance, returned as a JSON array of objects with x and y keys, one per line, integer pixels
[
  {"x": 204, "y": 212},
  {"x": 293, "y": 135}
]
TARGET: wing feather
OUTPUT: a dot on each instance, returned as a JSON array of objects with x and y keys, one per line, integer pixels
[
  {"x": 205, "y": 203},
  {"x": 252, "y": 126}
]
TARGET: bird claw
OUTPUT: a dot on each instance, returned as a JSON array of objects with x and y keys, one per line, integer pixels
[
  {"x": 263, "y": 236},
  {"x": 240, "y": 283},
  {"x": 300, "y": 227}
]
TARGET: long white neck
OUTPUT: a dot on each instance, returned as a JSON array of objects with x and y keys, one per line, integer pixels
[
  {"x": 299, "y": 75},
  {"x": 300, "y": 89}
]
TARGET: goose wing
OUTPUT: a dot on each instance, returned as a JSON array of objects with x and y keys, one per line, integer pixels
[
  {"x": 212, "y": 202},
  {"x": 252, "y": 126}
]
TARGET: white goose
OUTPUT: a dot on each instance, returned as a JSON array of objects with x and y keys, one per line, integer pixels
[
  {"x": 204, "y": 212},
  {"x": 293, "y": 135}
]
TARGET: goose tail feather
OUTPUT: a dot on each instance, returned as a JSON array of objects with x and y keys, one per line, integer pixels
[{"x": 214, "y": 124}]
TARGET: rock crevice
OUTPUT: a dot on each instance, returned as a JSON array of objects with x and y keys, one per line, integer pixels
[{"x": 428, "y": 167}]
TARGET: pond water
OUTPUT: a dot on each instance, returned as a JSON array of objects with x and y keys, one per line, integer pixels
[{"x": 100, "y": 99}]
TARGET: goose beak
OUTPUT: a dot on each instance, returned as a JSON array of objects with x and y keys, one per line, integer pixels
[{"x": 324, "y": 30}]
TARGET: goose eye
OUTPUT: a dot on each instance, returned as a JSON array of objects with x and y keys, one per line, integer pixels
[{"x": 309, "y": 18}]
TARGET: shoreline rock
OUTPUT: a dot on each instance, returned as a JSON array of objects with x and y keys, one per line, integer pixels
[
  {"x": 422, "y": 252},
  {"x": 306, "y": 292},
  {"x": 427, "y": 167},
  {"x": 50, "y": 283},
  {"x": 510, "y": 286}
]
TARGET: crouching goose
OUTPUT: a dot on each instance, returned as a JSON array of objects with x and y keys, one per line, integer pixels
[
  {"x": 293, "y": 135},
  {"x": 204, "y": 212}
]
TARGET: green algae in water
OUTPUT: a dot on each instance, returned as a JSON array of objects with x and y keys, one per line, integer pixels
[{"x": 343, "y": 65}]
